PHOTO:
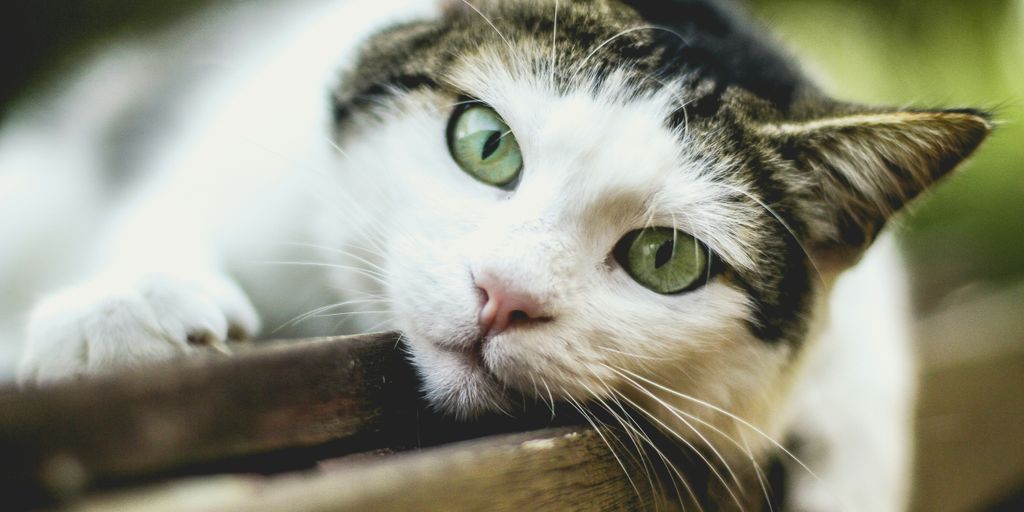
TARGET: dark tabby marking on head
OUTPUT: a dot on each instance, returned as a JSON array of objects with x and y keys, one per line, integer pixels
[
  {"x": 714, "y": 39},
  {"x": 826, "y": 175}
]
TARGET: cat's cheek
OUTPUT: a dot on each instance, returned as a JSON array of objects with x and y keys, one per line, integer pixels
[
  {"x": 423, "y": 284},
  {"x": 436, "y": 314}
]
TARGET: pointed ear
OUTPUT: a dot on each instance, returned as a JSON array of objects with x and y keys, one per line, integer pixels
[{"x": 851, "y": 172}]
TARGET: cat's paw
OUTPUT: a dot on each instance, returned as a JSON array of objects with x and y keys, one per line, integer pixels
[{"x": 119, "y": 323}]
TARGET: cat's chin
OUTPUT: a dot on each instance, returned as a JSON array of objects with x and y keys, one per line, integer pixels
[{"x": 458, "y": 382}]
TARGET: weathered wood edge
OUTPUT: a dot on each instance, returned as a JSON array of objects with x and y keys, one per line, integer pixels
[
  {"x": 164, "y": 422},
  {"x": 559, "y": 469},
  {"x": 281, "y": 395}
]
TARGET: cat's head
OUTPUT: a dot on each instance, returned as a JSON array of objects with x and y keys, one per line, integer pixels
[{"x": 598, "y": 198}]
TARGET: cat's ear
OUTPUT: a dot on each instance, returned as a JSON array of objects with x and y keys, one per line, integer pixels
[{"x": 851, "y": 172}]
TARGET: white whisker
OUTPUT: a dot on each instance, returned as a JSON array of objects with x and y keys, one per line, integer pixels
[
  {"x": 359, "y": 270},
  {"x": 554, "y": 49},
  {"x": 728, "y": 414},
  {"x": 489, "y": 22},
  {"x": 340, "y": 251},
  {"x": 550, "y": 396},
  {"x": 587, "y": 417},
  {"x": 635, "y": 356},
  {"x": 781, "y": 222},
  {"x": 699, "y": 453},
  {"x": 302, "y": 317},
  {"x": 644, "y": 461},
  {"x": 647, "y": 440},
  {"x": 608, "y": 41}
]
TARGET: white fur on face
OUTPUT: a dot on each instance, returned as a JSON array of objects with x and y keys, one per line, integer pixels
[{"x": 596, "y": 166}]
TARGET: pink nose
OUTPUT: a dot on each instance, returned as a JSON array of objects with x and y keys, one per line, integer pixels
[{"x": 505, "y": 305}]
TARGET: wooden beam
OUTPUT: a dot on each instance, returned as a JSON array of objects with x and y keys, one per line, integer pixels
[
  {"x": 69, "y": 437},
  {"x": 281, "y": 409},
  {"x": 970, "y": 413},
  {"x": 561, "y": 469}
]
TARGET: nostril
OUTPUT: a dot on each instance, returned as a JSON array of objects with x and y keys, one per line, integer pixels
[
  {"x": 517, "y": 317},
  {"x": 482, "y": 294}
]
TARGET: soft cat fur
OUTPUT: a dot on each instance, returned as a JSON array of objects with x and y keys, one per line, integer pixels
[{"x": 629, "y": 114}]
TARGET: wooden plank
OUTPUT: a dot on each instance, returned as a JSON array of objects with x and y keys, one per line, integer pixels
[
  {"x": 554, "y": 469},
  {"x": 560, "y": 469},
  {"x": 970, "y": 435},
  {"x": 65, "y": 438},
  {"x": 334, "y": 396},
  {"x": 970, "y": 414}
]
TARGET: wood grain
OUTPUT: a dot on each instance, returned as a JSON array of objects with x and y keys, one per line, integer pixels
[
  {"x": 970, "y": 415},
  {"x": 970, "y": 433},
  {"x": 61, "y": 439},
  {"x": 550, "y": 470},
  {"x": 165, "y": 430}
]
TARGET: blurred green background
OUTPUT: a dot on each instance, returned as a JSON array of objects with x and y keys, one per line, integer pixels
[{"x": 926, "y": 53}]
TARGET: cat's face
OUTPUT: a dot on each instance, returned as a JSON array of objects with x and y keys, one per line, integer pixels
[
  {"x": 596, "y": 170},
  {"x": 575, "y": 213}
]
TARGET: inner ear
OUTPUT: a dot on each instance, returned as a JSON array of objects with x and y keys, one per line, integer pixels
[{"x": 852, "y": 172}]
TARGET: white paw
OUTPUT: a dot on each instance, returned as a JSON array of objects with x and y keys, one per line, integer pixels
[{"x": 118, "y": 323}]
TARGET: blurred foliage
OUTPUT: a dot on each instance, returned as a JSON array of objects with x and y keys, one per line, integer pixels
[
  {"x": 41, "y": 39},
  {"x": 926, "y": 53}
]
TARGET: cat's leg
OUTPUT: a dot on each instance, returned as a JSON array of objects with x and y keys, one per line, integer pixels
[
  {"x": 164, "y": 283},
  {"x": 853, "y": 411},
  {"x": 158, "y": 293}
]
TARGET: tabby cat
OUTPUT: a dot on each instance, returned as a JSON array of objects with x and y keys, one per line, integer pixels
[{"x": 639, "y": 202}]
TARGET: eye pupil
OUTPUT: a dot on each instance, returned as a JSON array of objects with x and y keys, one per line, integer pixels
[
  {"x": 491, "y": 145},
  {"x": 664, "y": 254}
]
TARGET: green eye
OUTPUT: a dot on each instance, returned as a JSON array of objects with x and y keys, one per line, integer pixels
[
  {"x": 664, "y": 260},
  {"x": 483, "y": 145}
]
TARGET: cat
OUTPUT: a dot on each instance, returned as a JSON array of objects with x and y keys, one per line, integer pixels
[{"x": 635, "y": 201}]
